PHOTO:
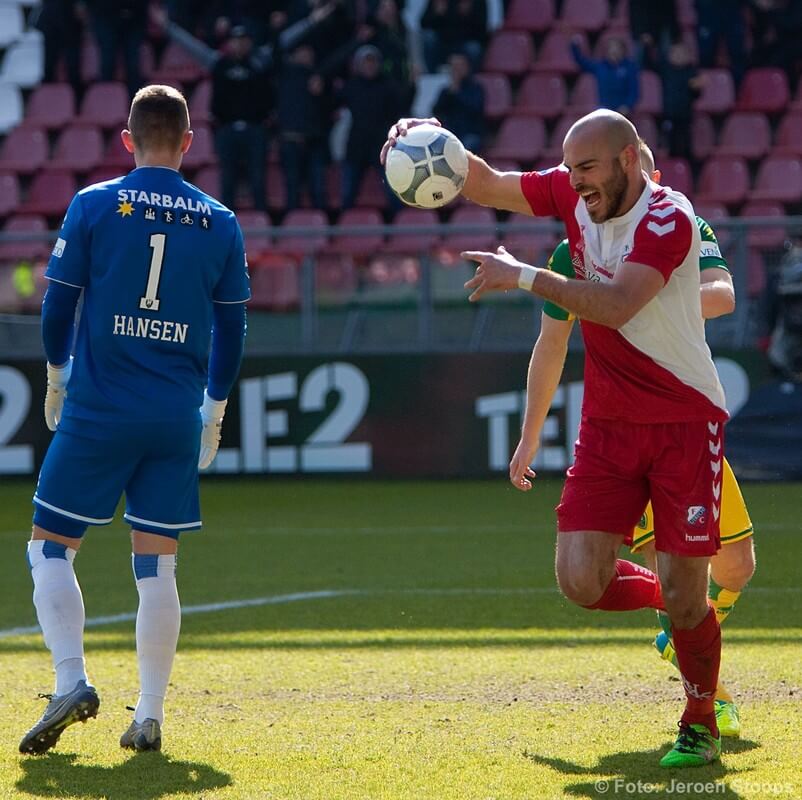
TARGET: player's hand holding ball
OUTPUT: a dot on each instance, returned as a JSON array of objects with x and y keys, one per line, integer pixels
[
  {"x": 212, "y": 413},
  {"x": 425, "y": 165},
  {"x": 57, "y": 380}
]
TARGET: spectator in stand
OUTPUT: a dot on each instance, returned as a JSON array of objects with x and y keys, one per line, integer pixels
[
  {"x": 461, "y": 104},
  {"x": 62, "y": 23},
  {"x": 303, "y": 121},
  {"x": 722, "y": 19},
  {"x": 776, "y": 32},
  {"x": 263, "y": 19},
  {"x": 374, "y": 102},
  {"x": 654, "y": 27},
  {"x": 120, "y": 25},
  {"x": 451, "y": 26},
  {"x": 682, "y": 84},
  {"x": 329, "y": 24},
  {"x": 240, "y": 105},
  {"x": 616, "y": 75}
]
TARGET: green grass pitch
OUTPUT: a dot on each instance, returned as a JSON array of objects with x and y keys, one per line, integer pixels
[{"x": 406, "y": 643}]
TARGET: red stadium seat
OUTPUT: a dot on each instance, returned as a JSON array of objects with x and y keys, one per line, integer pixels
[
  {"x": 313, "y": 238},
  {"x": 530, "y": 15},
  {"x": 335, "y": 279},
  {"x": 275, "y": 285},
  {"x": 789, "y": 135},
  {"x": 201, "y": 152},
  {"x": 101, "y": 174},
  {"x": 358, "y": 244},
  {"x": 713, "y": 213},
  {"x": 651, "y": 93},
  {"x": 208, "y": 180},
  {"x": 200, "y": 103},
  {"x": 372, "y": 193},
  {"x": 647, "y": 128},
  {"x": 723, "y": 180},
  {"x": 275, "y": 186},
  {"x": 24, "y": 150},
  {"x": 541, "y": 95},
  {"x": 555, "y": 54},
  {"x": 778, "y": 178},
  {"x": 520, "y": 138},
  {"x": 676, "y": 173},
  {"x": 756, "y": 276},
  {"x": 177, "y": 66},
  {"x": 718, "y": 92},
  {"x": 17, "y": 251},
  {"x": 9, "y": 193},
  {"x": 106, "y": 105},
  {"x": 79, "y": 148},
  {"x": 764, "y": 89},
  {"x": 256, "y": 230},
  {"x": 478, "y": 240},
  {"x": 584, "y": 96},
  {"x": 498, "y": 95},
  {"x": 531, "y": 246},
  {"x": 52, "y": 105},
  {"x": 703, "y": 136},
  {"x": 402, "y": 240},
  {"x": 586, "y": 15},
  {"x": 765, "y": 238},
  {"x": 116, "y": 156},
  {"x": 510, "y": 52},
  {"x": 553, "y": 154},
  {"x": 50, "y": 193},
  {"x": 745, "y": 133}
]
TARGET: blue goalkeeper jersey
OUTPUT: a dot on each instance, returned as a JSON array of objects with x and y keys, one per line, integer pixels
[{"x": 152, "y": 253}]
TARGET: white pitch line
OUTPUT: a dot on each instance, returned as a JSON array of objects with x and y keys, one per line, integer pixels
[{"x": 328, "y": 594}]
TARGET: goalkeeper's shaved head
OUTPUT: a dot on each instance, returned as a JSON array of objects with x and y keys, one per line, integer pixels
[{"x": 158, "y": 119}]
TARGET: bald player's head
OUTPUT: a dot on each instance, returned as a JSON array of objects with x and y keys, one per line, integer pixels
[{"x": 602, "y": 153}]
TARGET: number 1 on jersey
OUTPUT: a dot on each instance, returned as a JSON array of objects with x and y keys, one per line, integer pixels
[{"x": 150, "y": 302}]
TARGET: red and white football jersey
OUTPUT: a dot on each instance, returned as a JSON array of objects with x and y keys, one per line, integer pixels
[{"x": 657, "y": 367}]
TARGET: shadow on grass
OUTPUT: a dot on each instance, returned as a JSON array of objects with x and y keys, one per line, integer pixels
[
  {"x": 144, "y": 776},
  {"x": 344, "y": 642},
  {"x": 636, "y": 773}
]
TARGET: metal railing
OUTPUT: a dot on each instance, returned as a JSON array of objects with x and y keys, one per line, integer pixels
[{"x": 412, "y": 301}]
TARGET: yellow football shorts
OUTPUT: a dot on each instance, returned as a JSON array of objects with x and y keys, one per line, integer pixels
[{"x": 734, "y": 524}]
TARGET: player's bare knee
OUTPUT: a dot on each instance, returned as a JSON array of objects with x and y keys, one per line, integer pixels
[
  {"x": 39, "y": 533},
  {"x": 143, "y": 543},
  {"x": 734, "y": 565},
  {"x": 685, "y": 607},
  {"x": 580, "y": 583}
]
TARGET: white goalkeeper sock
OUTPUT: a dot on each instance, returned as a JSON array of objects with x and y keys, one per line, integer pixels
[
  {"x": 59, "y": 609},
  {"x": 158, "y": 622}
]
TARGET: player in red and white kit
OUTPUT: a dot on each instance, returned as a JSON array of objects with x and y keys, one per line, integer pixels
[{"x": 653, "y": 412}]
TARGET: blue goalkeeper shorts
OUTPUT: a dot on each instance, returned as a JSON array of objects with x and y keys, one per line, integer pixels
[{"x": 88, "y": 467}]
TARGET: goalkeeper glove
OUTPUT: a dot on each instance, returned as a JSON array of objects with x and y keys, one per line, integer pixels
[
  {"x": 57, "y": 380},
  {"x": 212, "y": 412}
]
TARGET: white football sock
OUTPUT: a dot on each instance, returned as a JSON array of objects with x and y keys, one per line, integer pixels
[
  {"x": 158, "y": 622},
  {"x": 59, "y": 609}
]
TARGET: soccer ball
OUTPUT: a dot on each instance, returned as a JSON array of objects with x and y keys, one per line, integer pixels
[{"x": 427, "y": 167}]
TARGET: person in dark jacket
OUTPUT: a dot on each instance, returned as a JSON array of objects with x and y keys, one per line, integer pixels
[
  {"x": 373, "y": 101},
  {"x": 616, "y": 75},
  {"x": 303, "y": 120},
  {"x": 461, "y": 105},
  {"x": 451, "y": 26},
  {"x": 120, "y": 25},
  {"x": 681, "y": 86},
  {"x": 654, "y": 26},
  {"x": 62, "y": 23},
  {"x": 240, "y": 105}
]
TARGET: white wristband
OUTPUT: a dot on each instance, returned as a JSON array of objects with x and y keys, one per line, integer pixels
[
  {"x": 212, "y": 409},
  {"x": 59, "y": 376},
  {"x": 527, "y": 278}
]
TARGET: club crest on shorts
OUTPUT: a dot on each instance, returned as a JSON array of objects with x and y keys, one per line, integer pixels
[{"x": 696, "y": 515}]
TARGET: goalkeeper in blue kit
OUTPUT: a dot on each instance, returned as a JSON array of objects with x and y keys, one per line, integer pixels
[{"x": 162, "y": 270}]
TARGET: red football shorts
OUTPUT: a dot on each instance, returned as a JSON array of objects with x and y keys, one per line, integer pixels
[{"x": 619, "y": 466}]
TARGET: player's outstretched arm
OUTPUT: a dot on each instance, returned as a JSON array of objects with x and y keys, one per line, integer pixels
[
  {"x": 58, "y": 324},
  {"x": 611, "y": 304},
  {"x": 718, "y": 292},
  {"x": 228, "y": 337},
  {"x": 484, "y": 185},
  {"x": 543, "y": 377}
]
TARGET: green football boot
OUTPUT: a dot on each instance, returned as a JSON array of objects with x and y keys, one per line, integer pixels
[{"x": 695, "y": 747}]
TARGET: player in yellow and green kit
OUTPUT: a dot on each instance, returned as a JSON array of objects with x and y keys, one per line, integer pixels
[{"x": 733, "y": 565}]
